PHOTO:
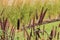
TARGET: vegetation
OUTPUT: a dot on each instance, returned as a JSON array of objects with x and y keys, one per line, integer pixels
[{"x": 30, "y": 21}]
